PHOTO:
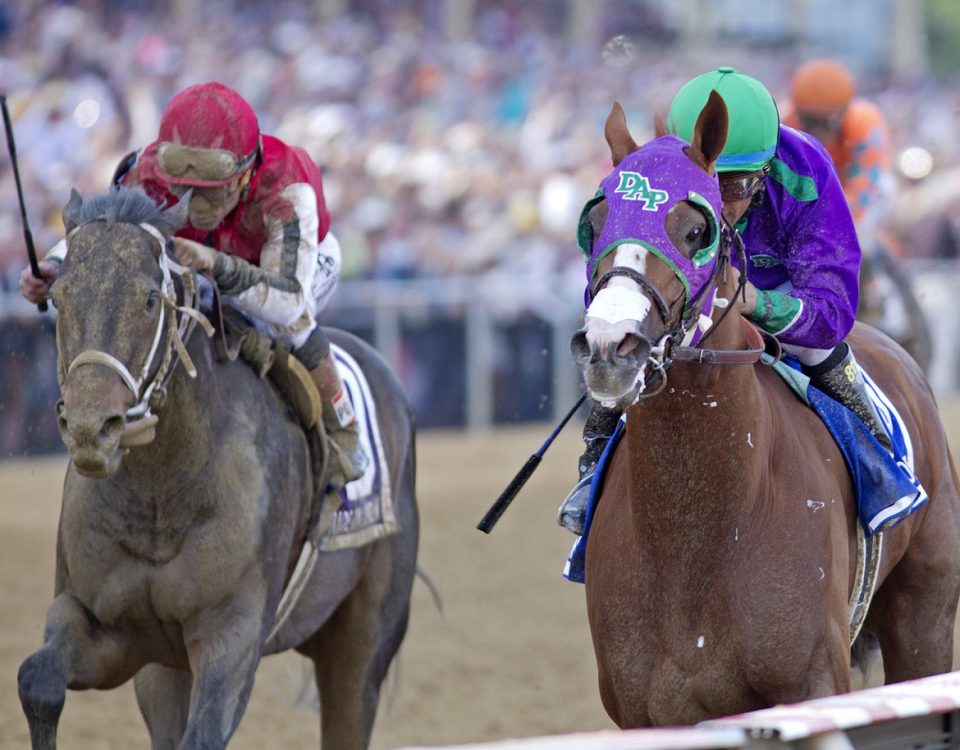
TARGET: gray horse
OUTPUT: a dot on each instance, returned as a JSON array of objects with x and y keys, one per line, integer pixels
[{"x": 176, "y": 536}]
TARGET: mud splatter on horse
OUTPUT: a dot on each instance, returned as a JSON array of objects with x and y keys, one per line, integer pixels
[
  {"x": 723, "y": 549},
  {"x": 172, "y": 552}
]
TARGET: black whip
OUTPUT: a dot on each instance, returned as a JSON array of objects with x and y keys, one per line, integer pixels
[
  {"x": 506, "y": 497},
  {"x": 27, "y": 236}
]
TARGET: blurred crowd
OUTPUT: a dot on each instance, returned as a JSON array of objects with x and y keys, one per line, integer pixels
[{"x": 443, "y": 153}]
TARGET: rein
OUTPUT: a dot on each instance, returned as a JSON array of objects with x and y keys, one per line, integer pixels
[
  {"x": 673, "y": 345},
  {"x": 140, "y": 422},
  {"x": 758, "y": 342}
]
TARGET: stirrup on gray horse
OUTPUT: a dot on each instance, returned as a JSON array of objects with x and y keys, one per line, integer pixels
[
  {"x": 839, "y": 377},
  {"x": 600, "y": 425}
]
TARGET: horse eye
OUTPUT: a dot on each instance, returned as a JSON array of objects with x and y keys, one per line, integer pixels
[
  {"x": 152, "y": 300},
  {"x": 694, "y": 234}
]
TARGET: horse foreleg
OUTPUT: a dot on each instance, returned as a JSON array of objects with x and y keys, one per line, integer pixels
[
  {"x": 77, "y": 653},
  {"x": 163, "y": 695},
  {"x": 223, "y": 648}
]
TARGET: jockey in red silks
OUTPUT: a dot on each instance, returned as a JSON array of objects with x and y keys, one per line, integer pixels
[
  {"x": 258, "y": 222},
  {"x": 782, "y": 194}
]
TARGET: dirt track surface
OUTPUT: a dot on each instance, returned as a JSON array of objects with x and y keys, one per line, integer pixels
[{"x": 509, "y": 657}]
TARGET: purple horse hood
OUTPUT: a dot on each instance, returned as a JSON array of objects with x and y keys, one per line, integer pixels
[{"x": 640, "y": 192}]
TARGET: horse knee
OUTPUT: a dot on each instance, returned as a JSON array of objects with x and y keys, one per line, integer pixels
[{"x": 42, "y": 684}]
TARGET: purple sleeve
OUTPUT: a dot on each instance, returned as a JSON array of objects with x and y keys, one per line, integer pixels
[
  {"x": 823, "y": 262},
  {"x": 803, "y": 247}
]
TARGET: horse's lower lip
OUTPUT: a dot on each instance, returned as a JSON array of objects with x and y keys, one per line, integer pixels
[
  {"x": 93, "y": 464},
  {"x": 607, "y": 399},
  {"x": 610, "y": 386}
]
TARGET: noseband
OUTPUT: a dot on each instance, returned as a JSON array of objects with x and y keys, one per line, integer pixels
[
  {"x": 677, "y": 343},
  {"x": 139, "y": 419}
]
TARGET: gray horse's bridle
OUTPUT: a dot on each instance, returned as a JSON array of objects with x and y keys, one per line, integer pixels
[{"x": 139, "y": 420}]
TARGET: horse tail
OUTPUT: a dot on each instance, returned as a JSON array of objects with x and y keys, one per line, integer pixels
[{"x": 432, "y": 587}]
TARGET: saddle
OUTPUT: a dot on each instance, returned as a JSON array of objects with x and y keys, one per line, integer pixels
[{"x": 236, "y": 337}]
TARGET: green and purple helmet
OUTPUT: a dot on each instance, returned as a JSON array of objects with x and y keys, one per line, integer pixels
[{"x": 754, "y": 120}]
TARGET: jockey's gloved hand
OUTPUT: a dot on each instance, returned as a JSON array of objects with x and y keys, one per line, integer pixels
[{"x": 194, "y": 255}]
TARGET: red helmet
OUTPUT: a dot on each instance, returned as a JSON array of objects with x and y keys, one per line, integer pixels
[
  {"x": 822, "y": 87},
  {"x": 208, "y": 137}
]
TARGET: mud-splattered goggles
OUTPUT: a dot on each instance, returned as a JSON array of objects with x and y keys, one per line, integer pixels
[
  {"x": 217, "y": 194},
  {"x": 201, "y": 167},
  {"x": 738, "y": 186}
]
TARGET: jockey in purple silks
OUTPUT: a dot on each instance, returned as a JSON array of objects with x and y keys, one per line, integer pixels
[{"x": 781, "y": 192}]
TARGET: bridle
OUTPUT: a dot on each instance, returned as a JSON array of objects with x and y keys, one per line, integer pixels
[
  {"x": 150, "y": 392},
  {"x": 686, "y": 332}
]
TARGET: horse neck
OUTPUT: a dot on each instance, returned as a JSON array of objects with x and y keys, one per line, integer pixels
[
  {"x": 696, "y": 448},
  {"x": 186, "y": 434}
]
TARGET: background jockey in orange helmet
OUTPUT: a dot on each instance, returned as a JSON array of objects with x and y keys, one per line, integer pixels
[
  {"x": 854, "y": 132},
  {"x": 258, "y": 223}
]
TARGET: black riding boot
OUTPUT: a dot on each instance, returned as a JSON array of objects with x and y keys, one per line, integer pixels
[
  {"x": 839, "y": 377},
  {"x": 600, "y": 425}
]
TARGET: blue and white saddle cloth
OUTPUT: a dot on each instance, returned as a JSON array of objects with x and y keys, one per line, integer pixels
[{"x": 886, "y": 488}]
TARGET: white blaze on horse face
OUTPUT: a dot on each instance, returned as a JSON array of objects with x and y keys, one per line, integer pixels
[{"x": 621, "y": 304}]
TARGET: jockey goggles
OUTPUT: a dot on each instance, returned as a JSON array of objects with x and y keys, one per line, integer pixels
[
  {"x": 216, "y": 195},
  {"x": 738, "y": 186},
  {"x": 813, "y": 123},
  {"x": 201, "y": 167}
]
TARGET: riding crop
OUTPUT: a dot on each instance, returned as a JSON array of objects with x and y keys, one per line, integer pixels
[
  {"x": 506, "y": 497},
  {"x": 27, "y": 236}
]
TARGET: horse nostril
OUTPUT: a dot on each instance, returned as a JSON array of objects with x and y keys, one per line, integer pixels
[
  {"x": 579, "y": 347},
  {"x": 112, "y": 428}
]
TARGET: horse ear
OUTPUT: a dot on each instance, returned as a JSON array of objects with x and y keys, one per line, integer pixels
[
  {"x": 659, "y": 125},
  {"x": 179, "y": 211},
  {"x": 618, "y": 135},
  {"x": 710, "y": 133},
  {"x": 71, "y": 211}
]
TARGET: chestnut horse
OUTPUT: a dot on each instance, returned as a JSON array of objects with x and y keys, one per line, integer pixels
[
  {"x": 172, "y": 552},
  {"x": 722, "y": 550}
]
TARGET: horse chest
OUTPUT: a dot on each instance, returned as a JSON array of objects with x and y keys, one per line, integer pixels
[{"x": 149, "y": 562}]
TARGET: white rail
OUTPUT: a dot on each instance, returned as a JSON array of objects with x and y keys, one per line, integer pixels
[{"x": 917, "y": 714}]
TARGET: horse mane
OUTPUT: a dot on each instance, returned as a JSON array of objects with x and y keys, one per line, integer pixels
[{"x": 124, "y": 206}]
